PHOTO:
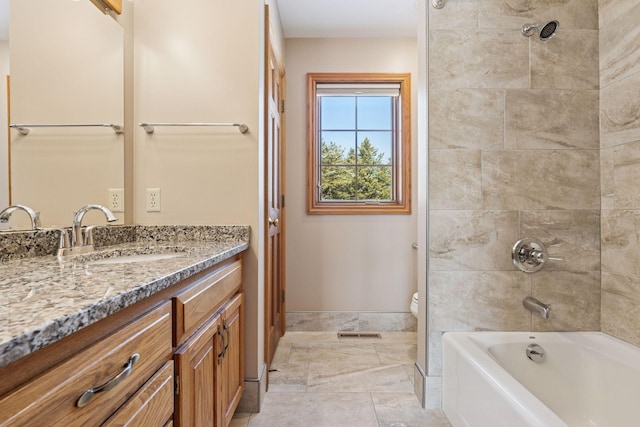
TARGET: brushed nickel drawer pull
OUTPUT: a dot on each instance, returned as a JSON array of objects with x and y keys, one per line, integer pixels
[
  {"x": 226, "y": 329},
  {"x": 221, "y": 354},
  {"x": 86, "y": 397}
]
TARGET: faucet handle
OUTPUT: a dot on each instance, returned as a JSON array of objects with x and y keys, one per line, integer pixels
[
  {"x": 88, "y": 235},
  {"x": 529, "y": 255}
]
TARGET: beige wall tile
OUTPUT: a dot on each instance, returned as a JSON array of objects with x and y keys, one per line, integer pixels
[
  {"x": 456, "y": 14},
  {"x": 541, "y": 179},
  {"x": 455, "y": 179},
  {"x": 574, "y": 298},
  {"x": 478, "y": 59},
  {"x": 621, "y": 307},
  {"x": 626, "y": 173},
  {"x": 472, "y": 240},
  {"x": 609, "y": 10},
  {"x": 483, "y": 300},
  {"x": 515, "y": 13},
  {"x": 620, "y": 129},
  {"x": 619, "y": 113},
  {"x": 435, "y": 353},
  {"x": 466, "y": 118},
  {"x": 607, "y": 180},
  {"x": 568, "y": 61},
  {"x": 552, "y": 119},
  {"x": 620, "y": 43},
  {"x": 572, "y": 235},
  {"x": 621, "y": 242}
]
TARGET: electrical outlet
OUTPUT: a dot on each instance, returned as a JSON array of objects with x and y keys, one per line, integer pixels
[
  {"x": 116, "y": 200},
  {"x": 153, "y": 200}
]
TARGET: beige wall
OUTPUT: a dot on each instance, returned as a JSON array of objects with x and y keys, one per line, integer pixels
[
  {"x": 620, "y": 155},
  {"x": 66, "y": 68},
  {"x": 514, "y": 152},
  {"x": 202, "y": 62},
  {"x": 344, "y": 262}
]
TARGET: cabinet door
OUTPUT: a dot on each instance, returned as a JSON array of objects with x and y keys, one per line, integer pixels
[
  {"x": 232, "y": 364},
  {"x": 196, "y": 375}
]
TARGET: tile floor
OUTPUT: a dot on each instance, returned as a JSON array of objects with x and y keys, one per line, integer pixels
[{"x": 319, "y": 380}]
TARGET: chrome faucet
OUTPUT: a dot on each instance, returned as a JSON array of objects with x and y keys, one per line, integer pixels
[
  {"x": 33, "y": 215},
  {"x": 536, "y": 306},
  {"x": 78, "y": 244}
]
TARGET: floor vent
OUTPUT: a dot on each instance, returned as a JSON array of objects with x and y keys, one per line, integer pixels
[{"x": 359, "y": 335}]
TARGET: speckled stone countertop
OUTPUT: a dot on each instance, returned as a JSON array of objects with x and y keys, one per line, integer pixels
[{"x": 44, "y": 299}]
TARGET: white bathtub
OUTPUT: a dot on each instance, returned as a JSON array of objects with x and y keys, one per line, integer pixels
[{"x": 586, "y": 379}]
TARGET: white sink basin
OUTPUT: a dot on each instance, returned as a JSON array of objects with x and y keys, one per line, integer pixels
[{"x": 129, "y": 259}]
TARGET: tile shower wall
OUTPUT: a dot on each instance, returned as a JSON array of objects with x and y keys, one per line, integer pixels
[
  {"x": 620, "y": 164},
  {"x": 514, "y": 151}
]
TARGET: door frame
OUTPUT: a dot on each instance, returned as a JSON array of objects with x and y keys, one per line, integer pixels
[{"x": 269, "y": 46}]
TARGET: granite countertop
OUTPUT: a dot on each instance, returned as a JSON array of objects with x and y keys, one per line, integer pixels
[{"x": 44, "y": 299}]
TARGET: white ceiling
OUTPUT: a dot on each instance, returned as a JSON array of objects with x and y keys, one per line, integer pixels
[
  {"x": 325, "y": 18},
  {"x": 348, "y": 18}
]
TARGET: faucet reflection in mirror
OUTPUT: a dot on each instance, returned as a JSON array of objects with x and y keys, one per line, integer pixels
[{"x": 33, "y": 215}]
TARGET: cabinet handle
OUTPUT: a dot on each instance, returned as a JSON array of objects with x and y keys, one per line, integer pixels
[
  {"x": 274, "y": 222},
  {"x": 86, "y": 397},
  {"x": 224, "y": 348},
  {"x": 226, "y": 329}
]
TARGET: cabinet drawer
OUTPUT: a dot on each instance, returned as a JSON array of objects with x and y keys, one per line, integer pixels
[
  {"x": 52, "y": 398},
  {"x": 151, "y": 406},
  {"x": 197, "y": 303}
]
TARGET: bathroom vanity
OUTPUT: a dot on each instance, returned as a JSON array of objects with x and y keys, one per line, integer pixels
[{"x": 147, "y": 332}]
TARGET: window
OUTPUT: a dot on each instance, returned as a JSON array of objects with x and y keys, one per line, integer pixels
[{"x": 358, "y": 143}]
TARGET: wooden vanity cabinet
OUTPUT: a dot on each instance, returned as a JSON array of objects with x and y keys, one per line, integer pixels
[
  {"x": 190, "y": 342},
  {"x": 210, "y": 361},
  {"x": 52, "y": 398}
]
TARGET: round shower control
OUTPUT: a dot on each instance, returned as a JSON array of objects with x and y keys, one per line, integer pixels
[{"x": 529, "y": 255}]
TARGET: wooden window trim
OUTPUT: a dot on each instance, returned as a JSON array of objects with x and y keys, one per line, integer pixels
[{"x": 401, "y": 206}]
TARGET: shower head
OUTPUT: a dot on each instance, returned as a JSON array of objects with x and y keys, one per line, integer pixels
[{"x": 546, "y": 31}]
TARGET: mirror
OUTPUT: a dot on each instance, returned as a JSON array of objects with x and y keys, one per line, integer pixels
[
  {"x": 66, "y": 67},
  {"x": 4, "y": 71}
]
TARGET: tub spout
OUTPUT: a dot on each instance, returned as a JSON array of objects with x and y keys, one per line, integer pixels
[{"x": 537, "y": 306}]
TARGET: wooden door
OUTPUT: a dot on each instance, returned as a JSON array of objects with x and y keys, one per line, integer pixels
[
  {"x": 196, "y": 364},
  {"x": 275, "y": 199},
  {"x": 232, "y": 369}
]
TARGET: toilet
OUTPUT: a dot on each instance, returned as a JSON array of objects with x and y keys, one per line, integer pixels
[{"x": 414, "y": 305}]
